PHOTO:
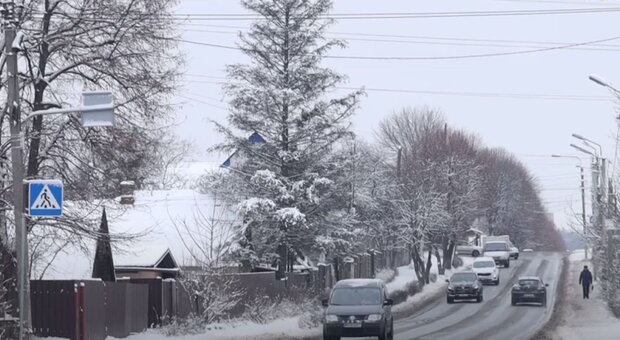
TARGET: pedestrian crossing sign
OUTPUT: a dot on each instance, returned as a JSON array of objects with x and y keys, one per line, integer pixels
[{"x": 45, "y": 198}]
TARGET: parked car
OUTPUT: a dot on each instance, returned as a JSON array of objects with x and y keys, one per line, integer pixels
[
  {"x": 528, "y": 250},
  {"x": 468, "y": 249},
  {"x": 529, "y": 289},
  {"x": 499, "y": 251},
  {"x": 486, "y": 269},
  {"x": 464, "y": 286},
  {"x": 358, "y": 308}
]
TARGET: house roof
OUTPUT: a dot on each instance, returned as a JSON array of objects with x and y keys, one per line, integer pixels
[
  {"x": 159, "y": 215},
  {"x": 255, "y": 139}
]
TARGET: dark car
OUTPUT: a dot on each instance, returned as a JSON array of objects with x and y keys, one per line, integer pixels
[
  {"x": 529, "y": 289},
  {"x": 358, "y": 307},
  {"x": 464, "y": 286}
]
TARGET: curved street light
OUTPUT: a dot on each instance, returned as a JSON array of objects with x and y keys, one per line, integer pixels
[{"x": 601, "y": 82}]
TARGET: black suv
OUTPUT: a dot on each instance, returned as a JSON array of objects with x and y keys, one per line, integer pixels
[
  {"x": 530, "y": 289},
  {"x": 358, "y": 307},
  {"x": 464, "y": 286}
]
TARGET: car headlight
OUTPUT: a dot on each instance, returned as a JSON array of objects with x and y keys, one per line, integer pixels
[
  {"x": 450, "y": 288},
  {"x": 331, "y": 318},
  {"x": 374, "y": 317}
]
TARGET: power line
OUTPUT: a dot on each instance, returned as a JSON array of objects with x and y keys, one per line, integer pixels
[
  {"x": 397, "y": 58},
  {"x": 528, "y": 96},
  {"x": 442, "y": 41},
  {"x": 403, "y": 15}
]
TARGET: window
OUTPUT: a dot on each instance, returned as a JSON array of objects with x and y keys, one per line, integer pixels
[{"x": 351, "y": 296}]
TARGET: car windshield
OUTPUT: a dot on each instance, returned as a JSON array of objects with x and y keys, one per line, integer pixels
[
  {"x": 484, "y": 264},
  {"x": 352, "y": 296},
  {"x": 528, "y": 283},
  {"x": 495, "y": 247},
  {"x": 464, "y": 277}
]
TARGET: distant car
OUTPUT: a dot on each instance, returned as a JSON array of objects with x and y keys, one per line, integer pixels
[
  {"x": 464, "y": 286},
  {"x": 528, "y": 250},
  {"x": 529, "y": 289},
  {"x": 486, "y": 269},
  {"x": 499, "y": 251},
  {"x": 514, "y": 251},
  {"x": 358, "y": 308}
]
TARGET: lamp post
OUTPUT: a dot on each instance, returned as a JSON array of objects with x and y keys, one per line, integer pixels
[
  {"x": 97, "y": 110},
  {"x": 583, "y": 201},
  {"x": 600, "y": 81}
]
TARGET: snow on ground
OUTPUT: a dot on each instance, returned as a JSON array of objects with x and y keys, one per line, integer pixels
[
  {"x": 584, "y": 319},
  {"x": 431, "y": 289},
  {"x": 406, "y": 274}
]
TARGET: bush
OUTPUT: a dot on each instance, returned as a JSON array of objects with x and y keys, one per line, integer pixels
[
  {"x": 186, "y": 326},
  {"x": 263, "y": 310},
  {"x": 411, "y": 289},
  {"x": 457, "y": 262},
  {"x": 387, "y": 275}
]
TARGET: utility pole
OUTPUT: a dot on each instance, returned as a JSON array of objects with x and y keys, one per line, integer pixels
[
  {"x": 17, "y": 158},
  {"x": 595, "y": 214},
  {"x": 583, "y": 211}
]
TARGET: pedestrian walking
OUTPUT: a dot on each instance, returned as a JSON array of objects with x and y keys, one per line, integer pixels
[{"x": 585, "y": 280}]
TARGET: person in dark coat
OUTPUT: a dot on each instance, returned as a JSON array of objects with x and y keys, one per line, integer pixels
[{"x": 585, "y": 280}]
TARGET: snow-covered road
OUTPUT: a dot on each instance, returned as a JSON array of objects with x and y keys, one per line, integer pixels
[{"x": 494, "y": 318}]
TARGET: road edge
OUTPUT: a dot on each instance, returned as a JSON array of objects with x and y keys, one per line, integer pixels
[{"x": 545, "y": 332}]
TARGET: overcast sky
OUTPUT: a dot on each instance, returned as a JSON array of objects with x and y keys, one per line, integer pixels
[{"x": 500, "y": 98}]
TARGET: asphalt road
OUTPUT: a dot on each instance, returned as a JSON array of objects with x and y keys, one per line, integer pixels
[{"x": 495, "y": 317}]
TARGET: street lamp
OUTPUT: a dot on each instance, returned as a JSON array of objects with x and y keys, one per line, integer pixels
[
  {"x": 584, "y": 150},
  {"x": 601, "y": 82},
  {"x": 586, "y": 141},
  {"x": 583, "y": 200}
]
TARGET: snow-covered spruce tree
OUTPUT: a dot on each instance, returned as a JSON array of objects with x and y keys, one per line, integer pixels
[{"x": 286, "y": 185}]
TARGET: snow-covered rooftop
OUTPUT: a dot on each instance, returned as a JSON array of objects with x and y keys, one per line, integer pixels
[{"x": 159, "y": 215}]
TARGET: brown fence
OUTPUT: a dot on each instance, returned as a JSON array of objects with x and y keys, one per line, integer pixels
[
  {"x": 81, "y": 310},
  {"x": 166, "y": 298}
]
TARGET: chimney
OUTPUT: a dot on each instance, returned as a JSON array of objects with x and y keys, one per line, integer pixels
[{"x": 127, "y": 192}]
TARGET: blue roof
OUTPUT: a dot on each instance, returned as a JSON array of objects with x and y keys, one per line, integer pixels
[{"x": 255, "y": 139}]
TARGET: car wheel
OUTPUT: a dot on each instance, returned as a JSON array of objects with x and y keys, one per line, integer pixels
[
  {"x": 449, "y": 299},
  {"x": 475, "y": 253},
  {"x": 497, "y": 282},
  {"x": 517, "y": 257},
  {"x": 513, "y": 301},
  {"x": 507, "y": 264},
  {"x": 479, "y": 298},
  {"x": 544, "y": 301},
  {"x": 391, "y": 334}
]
